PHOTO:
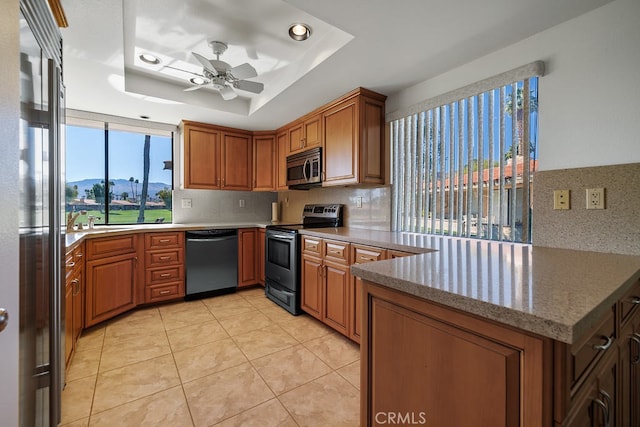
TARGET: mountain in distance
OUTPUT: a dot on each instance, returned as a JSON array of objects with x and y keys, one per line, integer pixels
[{"x": 121, "y": 186}]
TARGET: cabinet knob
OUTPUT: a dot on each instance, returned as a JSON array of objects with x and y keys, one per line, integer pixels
[{"x": 635, "y": 300}]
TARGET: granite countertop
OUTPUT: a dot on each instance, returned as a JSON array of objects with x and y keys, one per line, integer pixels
[
  {"x": 556, "y": 293},
  {"x": 75, "y": 237}
]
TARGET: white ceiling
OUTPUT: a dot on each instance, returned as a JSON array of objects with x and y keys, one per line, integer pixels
[{"x": 382, "y": 45}]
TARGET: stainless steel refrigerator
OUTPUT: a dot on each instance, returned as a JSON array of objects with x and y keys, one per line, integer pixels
[{"x": 41, "y": 207}]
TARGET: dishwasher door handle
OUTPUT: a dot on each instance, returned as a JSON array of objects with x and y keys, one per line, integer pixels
[{"x": 212, "y": 239}]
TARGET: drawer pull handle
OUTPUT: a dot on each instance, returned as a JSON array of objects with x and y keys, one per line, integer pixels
[
  {"x": 165, "y": 258},
  {"x": 71, "y": 264},
  {"x": 165, "y": 275},
  {"x": 165, "y": 240},
  {"x": 334, "y": 252},
  {"x": 604, "y": 346},
  {"x": 635, "y": 338},
  {"x": 165, "y": 292},
  {"x": 605, "y": 410},
  {"x": 635, "y": 300},
  {"x": 364, "y": 258}
]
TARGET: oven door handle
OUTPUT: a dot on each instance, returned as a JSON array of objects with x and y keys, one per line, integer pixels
[{"x": 281, "y": 237}]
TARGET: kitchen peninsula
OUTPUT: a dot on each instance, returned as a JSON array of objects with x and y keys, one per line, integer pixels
[{"x": 489, "y": 333}]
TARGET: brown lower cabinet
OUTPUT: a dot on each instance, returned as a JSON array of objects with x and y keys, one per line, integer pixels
[
  {"x": 262, "y": 237},
  {"x": 247, "y": 257},
  {"x": 164, "y": 266},
  {"x": 441, "y": 367},
  {"x": 111, "y": 277},
  {"x": 326, "y": 282},
  {"x": 74, "y": 298}
]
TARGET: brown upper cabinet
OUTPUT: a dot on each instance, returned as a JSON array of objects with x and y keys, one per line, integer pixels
[
  {"x": 264, "y": 161},
  {"x": 282, "y": 143},
  {"x": 305, "y": 134},
  {"x": 216, "y": 157},
  {"x": 353, "y": 143}
]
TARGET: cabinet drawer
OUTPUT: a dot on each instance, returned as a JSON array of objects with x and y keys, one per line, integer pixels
[
  {"x": 168, "y": 257},
  {"x": 164, "y": 240},
  {"x": 629, "y": 304},
  {"x": 110, "y": 246},
  {"x": 364, "y": 254},
  {"x": 336, "y": 251},
  {"x": 585, "y": 352},
  {"x": 398, "y": 254},
  {"x": 162, "y": 275},
  {"x": 164, "y": 292},
  {"x": 311, "y": 245}
]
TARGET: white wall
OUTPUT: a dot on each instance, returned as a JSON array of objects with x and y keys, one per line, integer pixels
[{"x": 589, "y": 98}]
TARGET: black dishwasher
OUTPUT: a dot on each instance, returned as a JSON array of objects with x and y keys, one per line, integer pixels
[{"x": 212, "y": 263}]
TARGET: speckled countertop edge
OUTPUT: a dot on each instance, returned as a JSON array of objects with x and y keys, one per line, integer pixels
[
  {"x": 565, "y": 326},
  {"x": 75, "y": 237}
]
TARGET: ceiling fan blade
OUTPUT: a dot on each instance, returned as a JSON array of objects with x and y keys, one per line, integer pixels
[
  {"x": 189, "y": 89},
  {"x": 228, "y": 93},
  {"x": 205, "y": 63},
  {"x": 244, "y": 71},
  {"x": 249, "y": 86}
]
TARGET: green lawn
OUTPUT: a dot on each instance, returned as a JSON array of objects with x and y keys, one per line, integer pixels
[{"x": 127, "y": 217}]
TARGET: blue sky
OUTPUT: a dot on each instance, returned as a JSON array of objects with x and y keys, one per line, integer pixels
[{"x": 85, "y": 155}]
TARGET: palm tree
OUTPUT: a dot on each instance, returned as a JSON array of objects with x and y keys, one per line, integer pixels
[
  {"x": 131, "y": 181},
  {"x": 145, "y": 177},
  {"x": 508, "y": 108}
]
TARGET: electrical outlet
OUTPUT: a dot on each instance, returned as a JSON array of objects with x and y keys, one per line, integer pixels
[
  {"x": 595, "y": 198},
  {"x": 242, "y": 203},
  {"x": 186, "y": 203},
  {"x": 358, "y": 202},
  {"x": 561, "y": 200}
]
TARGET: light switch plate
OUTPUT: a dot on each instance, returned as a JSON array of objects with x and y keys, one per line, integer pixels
[
  {"x": 186, "y": 203},
  {"x": 561, "y": 200}
]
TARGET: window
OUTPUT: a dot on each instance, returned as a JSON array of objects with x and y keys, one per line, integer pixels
[
  {"x": 118, "y": 174},
  {"x": 463, "y": 162}
]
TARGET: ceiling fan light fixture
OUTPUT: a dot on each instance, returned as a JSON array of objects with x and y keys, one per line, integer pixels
[
  {"x": 299, "y": 32},
  {"x": 149, "y": 59},
  {"x": 197, "y": 80}
]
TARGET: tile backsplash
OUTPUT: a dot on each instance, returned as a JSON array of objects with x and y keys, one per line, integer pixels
[
  {"x": 615, "y": 229},
  {"x": 209, "y": 206},
  {"x": 374, "y": 214}
]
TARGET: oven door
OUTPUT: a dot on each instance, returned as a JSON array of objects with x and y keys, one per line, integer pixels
[{"x": 281, "y": 258}]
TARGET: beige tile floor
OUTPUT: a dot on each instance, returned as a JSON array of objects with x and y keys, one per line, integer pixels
[{"x": 233, "y": 360}]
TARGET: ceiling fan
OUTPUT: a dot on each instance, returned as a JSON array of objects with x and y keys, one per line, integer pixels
[{"x": 223, "y": 77}]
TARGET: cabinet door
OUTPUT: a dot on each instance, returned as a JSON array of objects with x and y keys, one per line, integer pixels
[
  {"x": 336, "y": 296},
  {"x": 296, "y": 138},
  {"x": 68, "y": 322},
  {"x": 361, "y": 255},
  {"x": 430, "y": 370},
  {"x": 340, "y": 154},
  {"x": 110, "y": 287},
  {"x": 237, "y": 155},
  {"x": 283, "y": 152},
  {"x": 78, "y": 306},
  {"x": 247, "y": 257},
  {"x": 201, "y": 158},
  {"x": 261, "y": 255},
  {"x": 264, "y": 163},
  {"x": 371, "y": 150},
  {"x": 311, "y": 298},
  {"x": 312, "y": 132}
]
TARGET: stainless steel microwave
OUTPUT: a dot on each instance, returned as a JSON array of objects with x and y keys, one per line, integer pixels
[{"x": 304, "y": 169}]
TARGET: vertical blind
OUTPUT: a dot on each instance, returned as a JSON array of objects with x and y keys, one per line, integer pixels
[{"x": 463, "y": 162}]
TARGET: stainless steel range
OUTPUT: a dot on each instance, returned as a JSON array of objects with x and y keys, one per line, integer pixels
[{"x": 282, "y": 253}]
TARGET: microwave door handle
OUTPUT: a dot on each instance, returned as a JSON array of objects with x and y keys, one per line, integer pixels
[{"x": 307, "y": 163}]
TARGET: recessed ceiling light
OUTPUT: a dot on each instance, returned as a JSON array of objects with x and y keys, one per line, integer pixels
[
  {"x": 149, "y": 59},
  {"x": 197, "y": 80},
  {"x": 299, "y": 32}
]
